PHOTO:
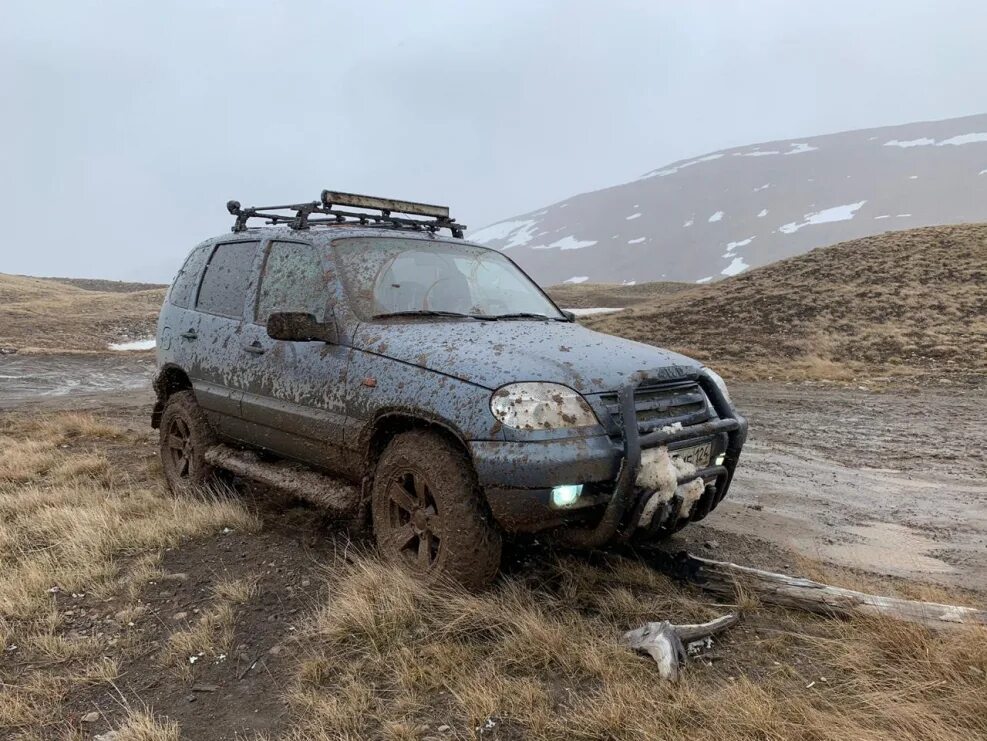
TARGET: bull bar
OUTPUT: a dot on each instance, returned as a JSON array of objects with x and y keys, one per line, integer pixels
[{"x": 634, "y": 441}]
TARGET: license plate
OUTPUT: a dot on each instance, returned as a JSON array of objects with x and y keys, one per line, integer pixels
[{"x": 697, "y": 455}]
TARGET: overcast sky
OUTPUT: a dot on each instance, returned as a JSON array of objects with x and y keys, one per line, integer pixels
[{"x": 126, "y": 126}]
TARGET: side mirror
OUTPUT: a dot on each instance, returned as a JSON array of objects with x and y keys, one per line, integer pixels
[
  {"x": 298, "y": 326},
  {"x": 568, "y": 315}
]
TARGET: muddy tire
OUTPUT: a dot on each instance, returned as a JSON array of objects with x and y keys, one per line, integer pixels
[
  {"x": 428, "y": 512},
  {"x": 185, "y": 437}
]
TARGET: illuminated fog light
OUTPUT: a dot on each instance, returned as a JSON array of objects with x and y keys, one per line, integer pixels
[
  {"x": 566, "y": 494},
  {"x": 720, "y": 458}
]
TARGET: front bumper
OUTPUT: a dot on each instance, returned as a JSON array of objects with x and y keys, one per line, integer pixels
[{"x": 518, "y": 476}]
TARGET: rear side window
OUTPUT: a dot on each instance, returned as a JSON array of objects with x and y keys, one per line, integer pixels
[
  {"x": 293, "y": 280},
  {"x": 227, "y": 279},
  {"x": 183, "y": 288}
]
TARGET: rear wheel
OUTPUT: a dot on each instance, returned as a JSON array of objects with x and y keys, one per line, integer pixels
[
  {"x": 185, "y": 438},
  {"x": 428, "y": 513}
]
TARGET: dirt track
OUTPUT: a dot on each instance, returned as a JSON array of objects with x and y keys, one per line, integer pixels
[{"x": 893, "y": 483}]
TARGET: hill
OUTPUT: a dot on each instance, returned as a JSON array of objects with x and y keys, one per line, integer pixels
[
  {"x": 722, "y": 213},
  {"x": 589, "y": 295},
  {"x": 54, "y": 314},
  {"x": 906, "y": 301}
]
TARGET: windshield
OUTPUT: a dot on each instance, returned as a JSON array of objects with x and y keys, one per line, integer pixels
[{"x": 387, "y": 276}]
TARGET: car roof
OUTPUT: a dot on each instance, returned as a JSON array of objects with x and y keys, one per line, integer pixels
[{"x": 322, "y": 235}]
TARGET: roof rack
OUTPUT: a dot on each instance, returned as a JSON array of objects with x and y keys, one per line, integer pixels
[{"x": 326, "y": 212}]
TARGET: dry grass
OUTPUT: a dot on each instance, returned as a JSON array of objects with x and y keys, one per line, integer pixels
[
  {"x": 537, "y": 657},
  {"x": 900, "y": 302},
  {"x": 68, "y": 528},
  {"x": 591, "y": 295},
  {"x": 73, "y": 317}
]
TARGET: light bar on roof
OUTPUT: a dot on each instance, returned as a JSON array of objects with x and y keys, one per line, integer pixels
[{"x": 331, "y": 198}]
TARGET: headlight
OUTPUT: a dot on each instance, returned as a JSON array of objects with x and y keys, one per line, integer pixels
[
  {"x": 720, "y": 383},
  {"x": 541, "y": 406}
]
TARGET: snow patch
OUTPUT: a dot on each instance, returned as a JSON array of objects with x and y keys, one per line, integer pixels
[
  {"x": 595, "y": 310},
  {"x": 794, "y": 148},
  {"x": 147, "y": 344},
  {"x": 954, "y": 141},
  {"x": 690, "y": 222},
  {"x": 883, "y": 216},
  {"x": 636, "y": 241},
  {"x": 737, "y": 266},
  {"x": 516, "y": 233},
  {"x": 762, "y": 213},
  {"x": 675, "y": 168},
  {"x": 632, "y": 216},
  {"x": 762, "y": 187},
  {"x": 707, "y": 279},
  {"x": 715, "y": 217},
  {"x": 827, "y": 215},
  {"x": 982, "y": 172},
  {"x": 801, "y": 148},
  {"x": 901, "y": 216},
  {"x": 577, "y": 279},
  {"x": 571, "y": 243},
  {"x": 732, "y": 246},
  {"x": 913, "y": 177}
]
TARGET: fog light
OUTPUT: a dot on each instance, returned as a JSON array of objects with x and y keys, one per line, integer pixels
[
  {"x": 720, "y": 458},
  {"x": 566, "y": 494}
]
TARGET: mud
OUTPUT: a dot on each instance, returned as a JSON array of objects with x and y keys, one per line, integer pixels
[{"x": 891, "y": 482}]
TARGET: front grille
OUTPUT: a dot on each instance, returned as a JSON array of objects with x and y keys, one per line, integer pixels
[{"x": 658, "y": 405}]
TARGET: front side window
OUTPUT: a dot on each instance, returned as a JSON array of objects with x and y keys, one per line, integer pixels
[
  {"x": 293, "y": 280},
  {"x": 386, "y": 276},
  {"x": 227, "y": 279}
]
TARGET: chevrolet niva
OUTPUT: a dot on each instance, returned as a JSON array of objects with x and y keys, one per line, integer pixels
[{"x": 350, "y": 353}]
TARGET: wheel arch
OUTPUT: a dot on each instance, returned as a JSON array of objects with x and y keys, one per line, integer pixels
[
  {"x": 390, "y": 423},
  {"x": 169, "y": 379}
]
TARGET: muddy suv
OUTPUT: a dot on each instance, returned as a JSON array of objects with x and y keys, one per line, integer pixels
[{"x": 426, "y": 386}]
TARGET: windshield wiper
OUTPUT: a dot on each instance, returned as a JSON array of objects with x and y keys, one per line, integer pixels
[
  {"x": 427, "y": 312},
  {"x": 527, "y": 315}
]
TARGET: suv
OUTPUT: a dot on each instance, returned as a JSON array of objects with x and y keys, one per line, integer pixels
[{"x": 427, "y": 386}]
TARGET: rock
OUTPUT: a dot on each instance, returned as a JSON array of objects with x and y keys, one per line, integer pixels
[
  {"x": 177, "y": 576},
  {"x": 90, "y": 717},
  {"x": 205, "y": 687},
  {"x": 108, "y": 736},
  {"x": 712, "y": 544},
  {"x": 275, "y": 650},
  {"x": 443, "y": 728},
  {"x": 179, "y": 616}
]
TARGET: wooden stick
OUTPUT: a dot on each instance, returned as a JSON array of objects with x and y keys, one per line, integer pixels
[{"x": 723, "y": 577}]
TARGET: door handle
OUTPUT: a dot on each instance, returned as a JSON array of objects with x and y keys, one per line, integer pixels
[
  {"x": 256, "y": 348},
  {"x": 190, "y": 335}
]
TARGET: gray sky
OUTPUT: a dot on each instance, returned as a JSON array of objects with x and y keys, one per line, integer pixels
[{"x": 127, "y": 125}]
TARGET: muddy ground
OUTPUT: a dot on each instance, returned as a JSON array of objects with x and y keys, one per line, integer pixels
[{"x": 887, "y": 481}]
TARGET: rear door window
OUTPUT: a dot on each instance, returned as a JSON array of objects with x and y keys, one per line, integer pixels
[
  {"x": 227, "y": 279},
  {"x": 187, "y": 281},
  {"x": 293, "y": 280}
]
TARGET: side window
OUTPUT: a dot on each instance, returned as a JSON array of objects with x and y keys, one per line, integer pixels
[
  {"x": 182, "y": 292},
  {"x": 227, "y": 279},
  {"x": 293, "y": 280}
]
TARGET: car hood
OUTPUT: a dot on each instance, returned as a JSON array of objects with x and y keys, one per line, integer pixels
[{"x": 492, "y": 353}]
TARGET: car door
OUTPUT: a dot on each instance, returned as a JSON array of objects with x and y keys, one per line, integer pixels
[
  {"x": 215, "y": 362},
  {"x": 294, "y": 400}
]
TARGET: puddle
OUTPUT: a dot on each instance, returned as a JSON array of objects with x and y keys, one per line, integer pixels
[
  {"x": 887, "y": 548},
  {"x": 32, "y": 377}
]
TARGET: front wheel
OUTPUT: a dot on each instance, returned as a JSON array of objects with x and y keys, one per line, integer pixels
[{"x": 428, "y": 513}]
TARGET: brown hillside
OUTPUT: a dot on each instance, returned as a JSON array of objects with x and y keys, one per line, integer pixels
[
  {"x": 49, "y": 314},
  {"x": 904, "y": 301},
  {"x": 590, "y": 295}
]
